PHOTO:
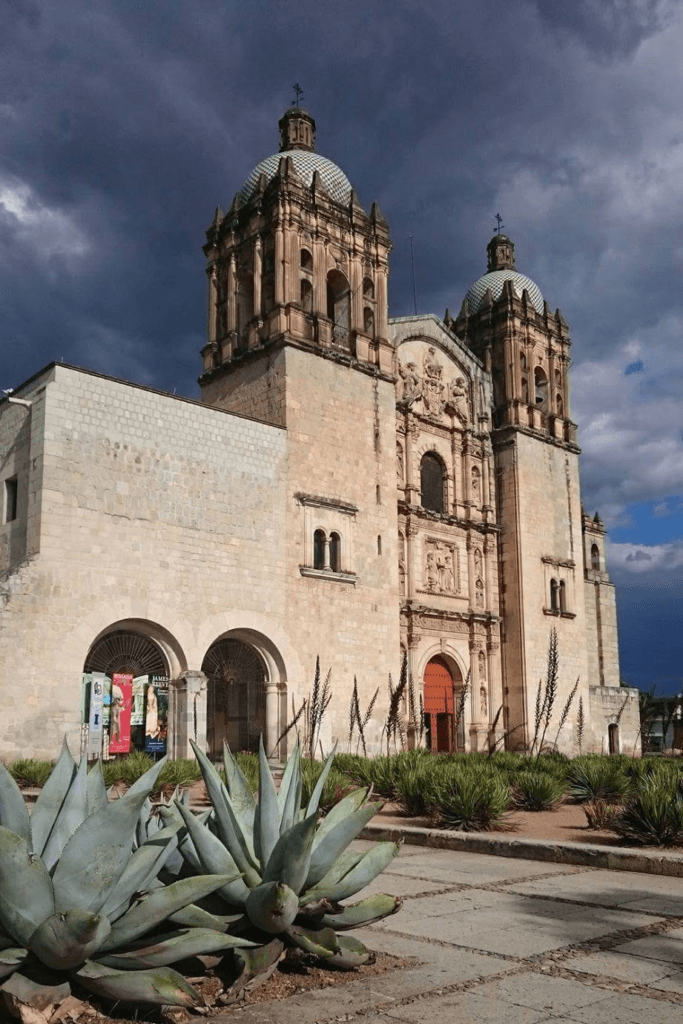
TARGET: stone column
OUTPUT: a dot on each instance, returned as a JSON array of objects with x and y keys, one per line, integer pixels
[
  {"x": 258, "y": 276},
  {"x": 382, "y": 325},
  {"x": 458, "y": 493},
  {"x": 279, "y": 261},
  {"x": 189, "y": 693},
  {"x": 213, "y": 311},
  {"x": 495, "y": 685},
  {"x": 489, "y": 555},
  {"x": 355, "y": 285},
  {"x": 478, "y": 722},
  {"x": 232, "y": 294},
  {"x": 412, "y": 489},
  {"x": 272, "y": 721}
]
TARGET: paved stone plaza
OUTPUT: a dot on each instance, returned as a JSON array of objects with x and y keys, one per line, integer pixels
[{"x": 515, "y": 941}]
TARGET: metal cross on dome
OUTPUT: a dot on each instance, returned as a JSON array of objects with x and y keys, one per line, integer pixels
[
  {"x": 299, "y": 94},
  {"x": 499, "y": 222}
]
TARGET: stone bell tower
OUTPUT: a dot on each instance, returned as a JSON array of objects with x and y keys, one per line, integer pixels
[
  {"x": 298, "y": 337},
  {"x": 506, "y": 322},
  {"x": 296, "y": 260}
]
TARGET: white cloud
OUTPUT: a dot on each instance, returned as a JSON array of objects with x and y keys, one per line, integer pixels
[
  {"x": 45, "y": 230},
  {"x": 645, "y": 558}
]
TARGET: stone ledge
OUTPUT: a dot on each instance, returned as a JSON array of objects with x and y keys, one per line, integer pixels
[{"x": 617, "y": 858}]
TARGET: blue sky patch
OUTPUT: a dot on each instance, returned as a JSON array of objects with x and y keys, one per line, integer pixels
[
  {"x": 659, "y": 521},
  {"x": 636, "y": 367}
]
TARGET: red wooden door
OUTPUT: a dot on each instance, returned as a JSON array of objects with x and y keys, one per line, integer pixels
[{"x": 439, "y": 706}]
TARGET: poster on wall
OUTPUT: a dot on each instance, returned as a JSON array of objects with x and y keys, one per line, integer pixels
[
  {"x": 106, "y": 702},
  {"x": 156, "y": 715},
  {"x": 119, "y": 716},
  {"x": 97, "y": 682},
  {"x": 137, "y": 713}
]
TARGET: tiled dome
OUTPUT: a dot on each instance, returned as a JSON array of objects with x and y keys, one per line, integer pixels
[
  {"x": 332, "y": 177},
  {"x": 495, "y": 281}
]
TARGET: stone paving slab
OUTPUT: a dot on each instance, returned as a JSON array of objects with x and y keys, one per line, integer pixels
[
  {"x": 496, "y": 943},
  {"x": 636, "y": 891}
]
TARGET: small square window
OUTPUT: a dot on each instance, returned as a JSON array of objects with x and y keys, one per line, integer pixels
[{"x": 11, "y": 500}]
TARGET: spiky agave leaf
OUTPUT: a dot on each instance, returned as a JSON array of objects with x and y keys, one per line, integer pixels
[
  {"x": 162, "y": 985},
  {"x": 13, "y": 809},
  {"x": 367, "y": 911},
  {"x": 51, "y": 798},
  {"x": 65, "y": 940},
  {"x": 26, "y": 893},
  {"x": 170, "y": 948}
]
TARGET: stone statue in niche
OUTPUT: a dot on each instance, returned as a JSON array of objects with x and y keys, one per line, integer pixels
[
  {"x": 401, "y": 579},
  {"x": 432, "y": 386},
  {"x": 457, "y": 403},
  {"x": 440, "y": 568},
  {"x": 400, "y": 470},
  {"x": 409, "y": 387},
  {"x": 476, "y": 485},
  {"x": 479, "y": 592},
  {"x": 477, "y": 561},
  {"x": 483, "y": 702},
  {"x": 482, "y": 667}
]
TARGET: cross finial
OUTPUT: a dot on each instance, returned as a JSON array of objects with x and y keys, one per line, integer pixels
[
  {"x": 499, "y": 222},
  {"x": 299, "y": 93}
]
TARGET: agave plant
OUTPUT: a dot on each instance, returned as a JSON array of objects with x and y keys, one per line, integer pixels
[
  {"x": 294, "y": 866},
  {"x": 77, "y": 904}
]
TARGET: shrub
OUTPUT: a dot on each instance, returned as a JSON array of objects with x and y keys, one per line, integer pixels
[
  {"x": 537, "y": 791},
  {"x": 30, "y": 771},
  {"x": 182, "y": 772},
  {"x": 596, "y": 778},
  {"x": 600, "y": 815},
  {"x": 415, "y": 789},
  {"x": 470, "y": 802},
  {"x": 653, "y": 816}
]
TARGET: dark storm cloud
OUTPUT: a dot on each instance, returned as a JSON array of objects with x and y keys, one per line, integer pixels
[{"x": 125, "y": 124}]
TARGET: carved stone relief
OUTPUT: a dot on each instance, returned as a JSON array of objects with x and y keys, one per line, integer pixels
[
  {"x": 442, "y": 625},
  {"x": 457, "y": 403},
  {"x": 440, "y": 573},
  {"x": 432, "y": 386}
]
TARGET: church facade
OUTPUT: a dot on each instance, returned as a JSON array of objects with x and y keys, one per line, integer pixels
[{"x": 350, "y": 487}]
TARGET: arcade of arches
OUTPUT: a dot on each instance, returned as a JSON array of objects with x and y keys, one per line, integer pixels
[{"x": 135, "y": 699}]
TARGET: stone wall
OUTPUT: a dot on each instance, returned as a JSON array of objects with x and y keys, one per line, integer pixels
[
  {"x": 156, "y": 512},
  {"x": 540, "y": 511}
]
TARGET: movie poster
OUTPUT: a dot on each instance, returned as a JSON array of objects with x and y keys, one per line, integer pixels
[
  {"x": 119, "y": 715},
  {"x": 95, "y": 713},
  {"x": 156, "y": 716},
  {"x": 106, "y": 702},
  {"x": 137, "y": 714}
]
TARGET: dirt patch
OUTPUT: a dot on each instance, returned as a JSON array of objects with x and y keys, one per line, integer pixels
[{"x": 289, "y": 979}]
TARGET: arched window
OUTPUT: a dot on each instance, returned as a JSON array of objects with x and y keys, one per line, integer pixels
[
  {"x": 306, "y": 260},
  {"x": 319, "y": 540},
  {"x": 368, "y": 288},
  {"x": 563, "y": 596},
  {"x": 540, "y": 385},
  {"x": 595, "y": 557},
  {"x": 306, "y": 295},
  {"x": 338, "y": 296},
  {"x": 368, "y": 321},
  {"x": 335, "y": 552},
  {"x": 432, "y": 481},
  {"x": 525, "y": 390},
  {"x": 522, "y": 359},
  {"x": 613, "y": 738},
  {"x": 554, "y": 596}
]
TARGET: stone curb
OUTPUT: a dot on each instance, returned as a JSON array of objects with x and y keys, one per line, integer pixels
[{"x": 614, "y": 858}]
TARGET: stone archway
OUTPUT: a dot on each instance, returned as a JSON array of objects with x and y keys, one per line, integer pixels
[
  {"x": 441, "y": 686},
  {"x": 236, "y": 696}
]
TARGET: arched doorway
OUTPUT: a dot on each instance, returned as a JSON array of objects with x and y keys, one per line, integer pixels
[
  {"x": 613, "y": 738},
  {"x": 441, "y": 688},
  {"x": 236, "y": 697},
  {"x": 125, "y": 694}
]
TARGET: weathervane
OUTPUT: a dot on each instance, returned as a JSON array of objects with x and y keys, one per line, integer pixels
[
  {"x": 299, "y": 94},
  {"x": 499, "y": 221}
]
